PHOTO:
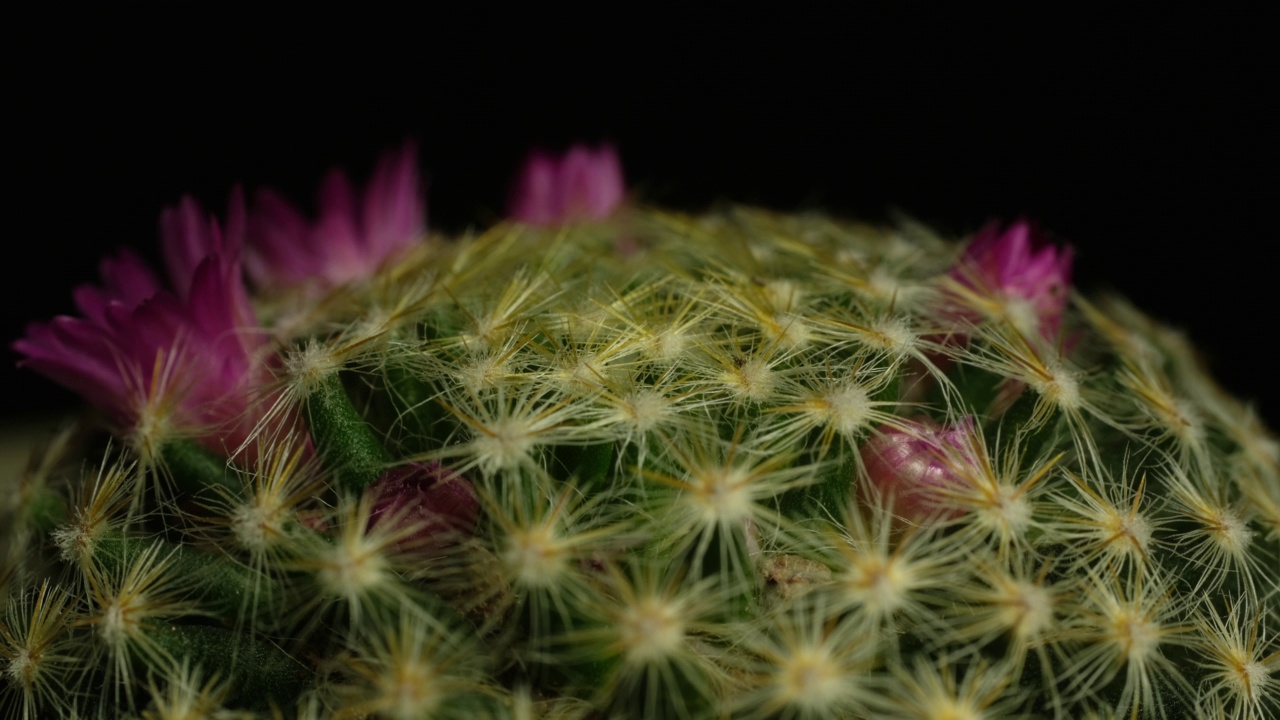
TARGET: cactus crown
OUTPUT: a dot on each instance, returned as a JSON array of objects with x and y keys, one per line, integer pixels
[{"x": 637, "y": 464}]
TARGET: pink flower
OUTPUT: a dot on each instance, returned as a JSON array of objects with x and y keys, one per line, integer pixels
[
  {"x": 915, "y": 466},
  {"x": 428, "y": 502},
  {"x": 583, "y": 184},
  {"x": 164, "y": 363},
  {"x": 1017, "y": 272},
  {"x": 353, "y": 236}
]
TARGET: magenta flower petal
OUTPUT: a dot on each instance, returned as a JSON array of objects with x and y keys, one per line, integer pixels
[
  {"x": 583, "y": 184},
  {"x": 593, "y": 182},
  {"x": 1018, "y": 268},
  {"x": 74, "y": 353},
  {"x": 187, "y": 237},
  {"x": 274, "y": 254},
  {"x": 187, "y": 361},
  {"x": 336, "y": 245},
  {"x": 393, "y": 209},
  {"x": 219, "y": 312},
  {"x": 353, "y": 235},
  {"x": 128, "y": 279},
  {"x": 534, "y": 198}
]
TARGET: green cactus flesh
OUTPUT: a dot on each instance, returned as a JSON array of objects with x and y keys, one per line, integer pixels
[{"x": 677, "y": 514}]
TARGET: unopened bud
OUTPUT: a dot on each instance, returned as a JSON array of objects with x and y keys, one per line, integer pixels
[
  {"x": 914, "y": 466},
  {"x": 427, "y": 500}
]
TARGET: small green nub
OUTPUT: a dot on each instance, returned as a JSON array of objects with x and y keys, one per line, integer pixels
[
  {"x": 347, "y": 444},
  {"x": 224, "y": 587},
  {"x": 195, "y": 469},
  {"x": 45, "y": 510},
  {"x": 259, "y": 671}
]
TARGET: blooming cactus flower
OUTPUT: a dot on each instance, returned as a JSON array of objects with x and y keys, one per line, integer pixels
[
  {"x": 427, "y": 501},
  {"x": 583, "y": 184},
  {"x": 354, "y": 235},
  {"x": 913, "y": 465},
  {"x": 163, "y": 363},
  {"x": 1016, "y": 274}
]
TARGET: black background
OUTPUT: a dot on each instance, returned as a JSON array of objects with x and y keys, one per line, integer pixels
[{"x": 1144, "y": 139}]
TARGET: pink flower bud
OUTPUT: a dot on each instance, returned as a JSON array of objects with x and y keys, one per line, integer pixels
[
  {"x": 431, "y": 503},
  {"x": 913, "y": 467}
]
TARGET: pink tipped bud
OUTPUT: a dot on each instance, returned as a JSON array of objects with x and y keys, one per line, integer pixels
[
  {"x": 914, "y": 467},
  {"x": 428, "y": 501}
]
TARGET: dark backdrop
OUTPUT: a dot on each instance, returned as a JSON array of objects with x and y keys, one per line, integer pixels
[{"x": 1143, "y": 139}]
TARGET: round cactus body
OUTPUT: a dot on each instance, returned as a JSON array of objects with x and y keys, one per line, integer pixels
[{"x": 604, "y": 460}]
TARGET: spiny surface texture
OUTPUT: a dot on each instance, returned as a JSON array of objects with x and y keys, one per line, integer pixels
[{"x": 631, "y": 463}]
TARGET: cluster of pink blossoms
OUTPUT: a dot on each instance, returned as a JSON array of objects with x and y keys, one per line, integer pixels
[
  {"x": 1016, "y": 267},
  {"x": 187, "y": 359}
]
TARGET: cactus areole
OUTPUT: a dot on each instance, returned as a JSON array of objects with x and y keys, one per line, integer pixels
[{"x": 607, "y": 460}]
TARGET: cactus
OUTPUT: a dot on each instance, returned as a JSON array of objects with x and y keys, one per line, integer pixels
[{"x": 606, "y": 460}]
